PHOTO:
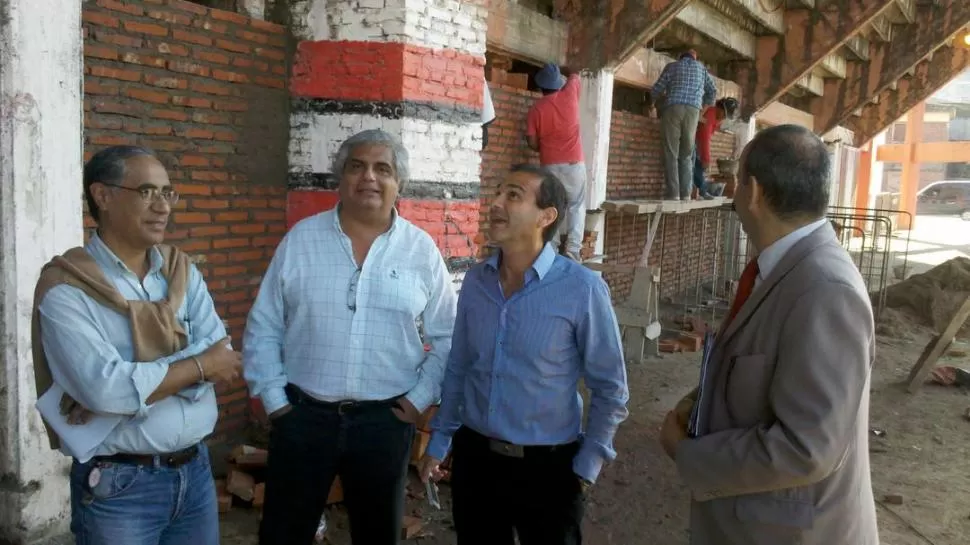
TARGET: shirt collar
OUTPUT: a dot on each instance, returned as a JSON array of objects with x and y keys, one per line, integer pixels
[
  {"x": 541, "y": 265},
  {"x": 395, "y": 219},
  {"x": 103, "y": 254},
  {"x": 772, "y": 255}
]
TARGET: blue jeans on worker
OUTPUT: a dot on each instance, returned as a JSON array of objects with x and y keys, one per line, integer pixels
[
  {"x": 132, "y": 504},
  {"x": 700, "y": 174}
]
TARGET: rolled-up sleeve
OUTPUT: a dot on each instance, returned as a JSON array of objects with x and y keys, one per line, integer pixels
[
  {"x": 86, "y": 364},
  {"x": 263, "y": 341},
  {"x": 439, "y": 322},
  {"x": 604, "y": 373}
]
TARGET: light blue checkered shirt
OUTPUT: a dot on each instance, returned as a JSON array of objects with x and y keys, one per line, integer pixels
[
  {"x": 342, "y": 335},
  {"x": 685, "y": 81}
]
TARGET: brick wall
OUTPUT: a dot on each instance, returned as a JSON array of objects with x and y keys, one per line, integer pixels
[
  {"x": 206, "y": 89},
  {"x": 636, "y": 173}
]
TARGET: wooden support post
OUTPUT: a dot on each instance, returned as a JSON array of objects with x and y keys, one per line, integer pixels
[{"x": 936, "y": 347}]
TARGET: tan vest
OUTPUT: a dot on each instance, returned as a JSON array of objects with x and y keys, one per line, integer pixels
[{"x": 155, "y": 331}]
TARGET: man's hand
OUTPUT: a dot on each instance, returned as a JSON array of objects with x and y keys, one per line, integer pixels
[
  {"x": 584, "y": 485},
  {"x": 220, "y": 363},
  {"x": 430, "y": 469},
  {"x": 405, "y": 411},
  {"x": 76, "y": 414},
  {"x": 683, "y": 409},
  {"x": 671, "y": 434}
]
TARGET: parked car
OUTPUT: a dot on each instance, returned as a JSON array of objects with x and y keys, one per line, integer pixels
[{"x": 947, "y": 197}]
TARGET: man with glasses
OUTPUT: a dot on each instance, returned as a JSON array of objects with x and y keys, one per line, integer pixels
[
  {"x": 335, "y": 349},
  {"x": 126, "y": 327}
]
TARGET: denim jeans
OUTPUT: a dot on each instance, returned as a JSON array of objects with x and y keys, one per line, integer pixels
[
  {"x": 142, "y": 505},
  {"x": 700, "y": 173}
]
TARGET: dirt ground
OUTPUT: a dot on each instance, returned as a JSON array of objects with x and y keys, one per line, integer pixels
[{"x": 919, "y": 450}]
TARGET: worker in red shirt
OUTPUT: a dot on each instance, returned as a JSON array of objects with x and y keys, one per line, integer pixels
[
  {"x": 553, "y": 131},
  {"x": 710, "y": 121}
]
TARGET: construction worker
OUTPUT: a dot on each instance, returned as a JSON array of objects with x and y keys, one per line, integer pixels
[{"x": 710, "y": 122}]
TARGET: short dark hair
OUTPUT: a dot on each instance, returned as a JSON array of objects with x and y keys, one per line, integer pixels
[
  {"x": 552, "y": 194},
  {"x": 793, "y": 166},
  {"x": 108, "y": 167}
]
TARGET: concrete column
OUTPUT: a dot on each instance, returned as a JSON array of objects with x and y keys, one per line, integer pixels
[
  {"x": 40, "y": 216},
  {"x": 595, "y": 119},
  {"x": 255, "y": 9},
  {"x": 414, "y": 68},
  {"x": 909, "y": 178}
]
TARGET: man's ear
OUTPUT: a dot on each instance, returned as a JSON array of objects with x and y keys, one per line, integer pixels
[
  {"x": 547, "y": 216},
  {"x": 101, "y": 194}
]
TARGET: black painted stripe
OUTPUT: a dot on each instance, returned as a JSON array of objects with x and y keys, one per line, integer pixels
[
  {"x": 407, "y": 109},
  {"x": 415, "y": 189}
]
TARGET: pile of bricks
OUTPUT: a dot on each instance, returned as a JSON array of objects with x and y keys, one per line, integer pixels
[
  {"x": 245, "y": 486},
  {"x": 690, "y": 338}
]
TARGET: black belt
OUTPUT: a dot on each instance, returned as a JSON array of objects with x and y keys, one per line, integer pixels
[
  {"x": 510, "y": 450},
  {"x": 172, "y": 459},
  {"x": 297, "y": 396}
]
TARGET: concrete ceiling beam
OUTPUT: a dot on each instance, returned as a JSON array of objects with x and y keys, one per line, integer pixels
[
  {"x": 713, "y": 24},
  {"x": 934, "y": 26},
  {"x": 929, "y": 77},
  {"x": 858, "y": 47},
  {"x": 810, "y": 36},
  {"x": 526, "y": 33},
  {"x": 604, "y": 33},
  {"x": 773, "y": 20}
]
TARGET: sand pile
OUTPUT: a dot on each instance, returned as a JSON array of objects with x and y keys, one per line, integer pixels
[{"x": 929, "y": 299}]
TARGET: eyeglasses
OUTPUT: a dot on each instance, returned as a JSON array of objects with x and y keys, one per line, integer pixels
[
  {"x": 352, "y": 291},
  {"x": 153, "y": 194}
]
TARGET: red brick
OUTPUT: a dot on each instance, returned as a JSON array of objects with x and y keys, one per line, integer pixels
[
  {"x": 251, "y": 255},
  {"x": 101, "y": 19},
  {"x": 195, "y": 245},
  {"x": 232, "y": 216},
  {"x": 113, "y": 107},
  {"x": 226, "y": 75},
  {"x": 247, "y": 229},
  {"x": 200, "y": 86},
  {"x": 173, "y": 115},
  {"x": 208, "y": 231},
  {"x": 277, "y": 83},
  {"x": 117, "y": 39},
  {"x": 206, "y": 118},
  {"x": 147, "y": 95},
  {"x": 266, "y": 241},
  {"x": 270, "y": 53},
  {"x": 230, "y": 243},
  {"x": 167, "y": 145},
  {"x": 101, "y": 52},
  {"x": 191, "y": 102},
  {"x": 225, "y": 136},
  {"x": 233, "y": 46},
  {"x": 171, "y": 49},
  {"x": 252, "y": 36},
  {"x": 146, "y": 60},
  {"x": 166, "y": 82},
  {"x": 145, "y": 28},
  {"x": 183, "y": 36},
  {"x": 262, "y": 66},
  {"x": 111, "y": 140},
  {"x": 125, "y": 7},
  {"x": 229, "y": 16},
  {"x": 188, "y": 68},
  {"x": 193, "y": 189},
  {"x": 269, "y": 215},
  {"x": 209, "y": 176},
  {"x": 193, "y": 161},
  {"x": 105, "y": 122},
  {"x": 220, "y": 58},
  {"x": 115, "y": 73},
  {"x": 94, "y": 87},
  {"x": 192, "y": 217},
  {"x": 210, "y": 204}
]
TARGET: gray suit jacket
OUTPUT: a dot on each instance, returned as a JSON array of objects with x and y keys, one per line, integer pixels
[{"x": 782, "y": 456}]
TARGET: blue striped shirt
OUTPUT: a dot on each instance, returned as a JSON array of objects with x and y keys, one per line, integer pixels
[
  {"x": 515, "y": 363},
  {"x": 685, "y": 81}
]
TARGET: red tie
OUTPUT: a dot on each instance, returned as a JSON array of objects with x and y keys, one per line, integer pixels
[{"x": 745, "y": 287}]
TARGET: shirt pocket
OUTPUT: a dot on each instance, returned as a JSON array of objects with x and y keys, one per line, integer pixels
[
  {"x": 398, "y": 291},
  {"x": 747, "y": 388}
]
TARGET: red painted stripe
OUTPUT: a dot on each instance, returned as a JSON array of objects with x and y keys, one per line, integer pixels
[
  {"x": 455, "y": 238},
  {"x": 387, "y": 71}
]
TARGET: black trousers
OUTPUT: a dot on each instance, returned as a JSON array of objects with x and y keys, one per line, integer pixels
[
  {"x": 367, "y": 446},
  {"x": 538, "y": 497}
]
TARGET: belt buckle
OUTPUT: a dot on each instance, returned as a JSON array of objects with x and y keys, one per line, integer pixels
[
  {"x": 506, "y": 449},
  {"x": 344, "y": 406}
]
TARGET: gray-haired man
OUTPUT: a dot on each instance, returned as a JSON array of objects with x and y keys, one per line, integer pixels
[{"x": 333, "y": 349}]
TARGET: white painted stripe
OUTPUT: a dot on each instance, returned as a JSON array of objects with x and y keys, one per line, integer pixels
[
  {"x": 437, "y": 24},
  {"x": 439, "y": 151}
]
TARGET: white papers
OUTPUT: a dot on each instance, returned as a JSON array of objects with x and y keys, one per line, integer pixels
[{"x": 81, "y": 440}]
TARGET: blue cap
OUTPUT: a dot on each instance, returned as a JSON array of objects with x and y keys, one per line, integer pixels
[{"x": 549, "y": 77}]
